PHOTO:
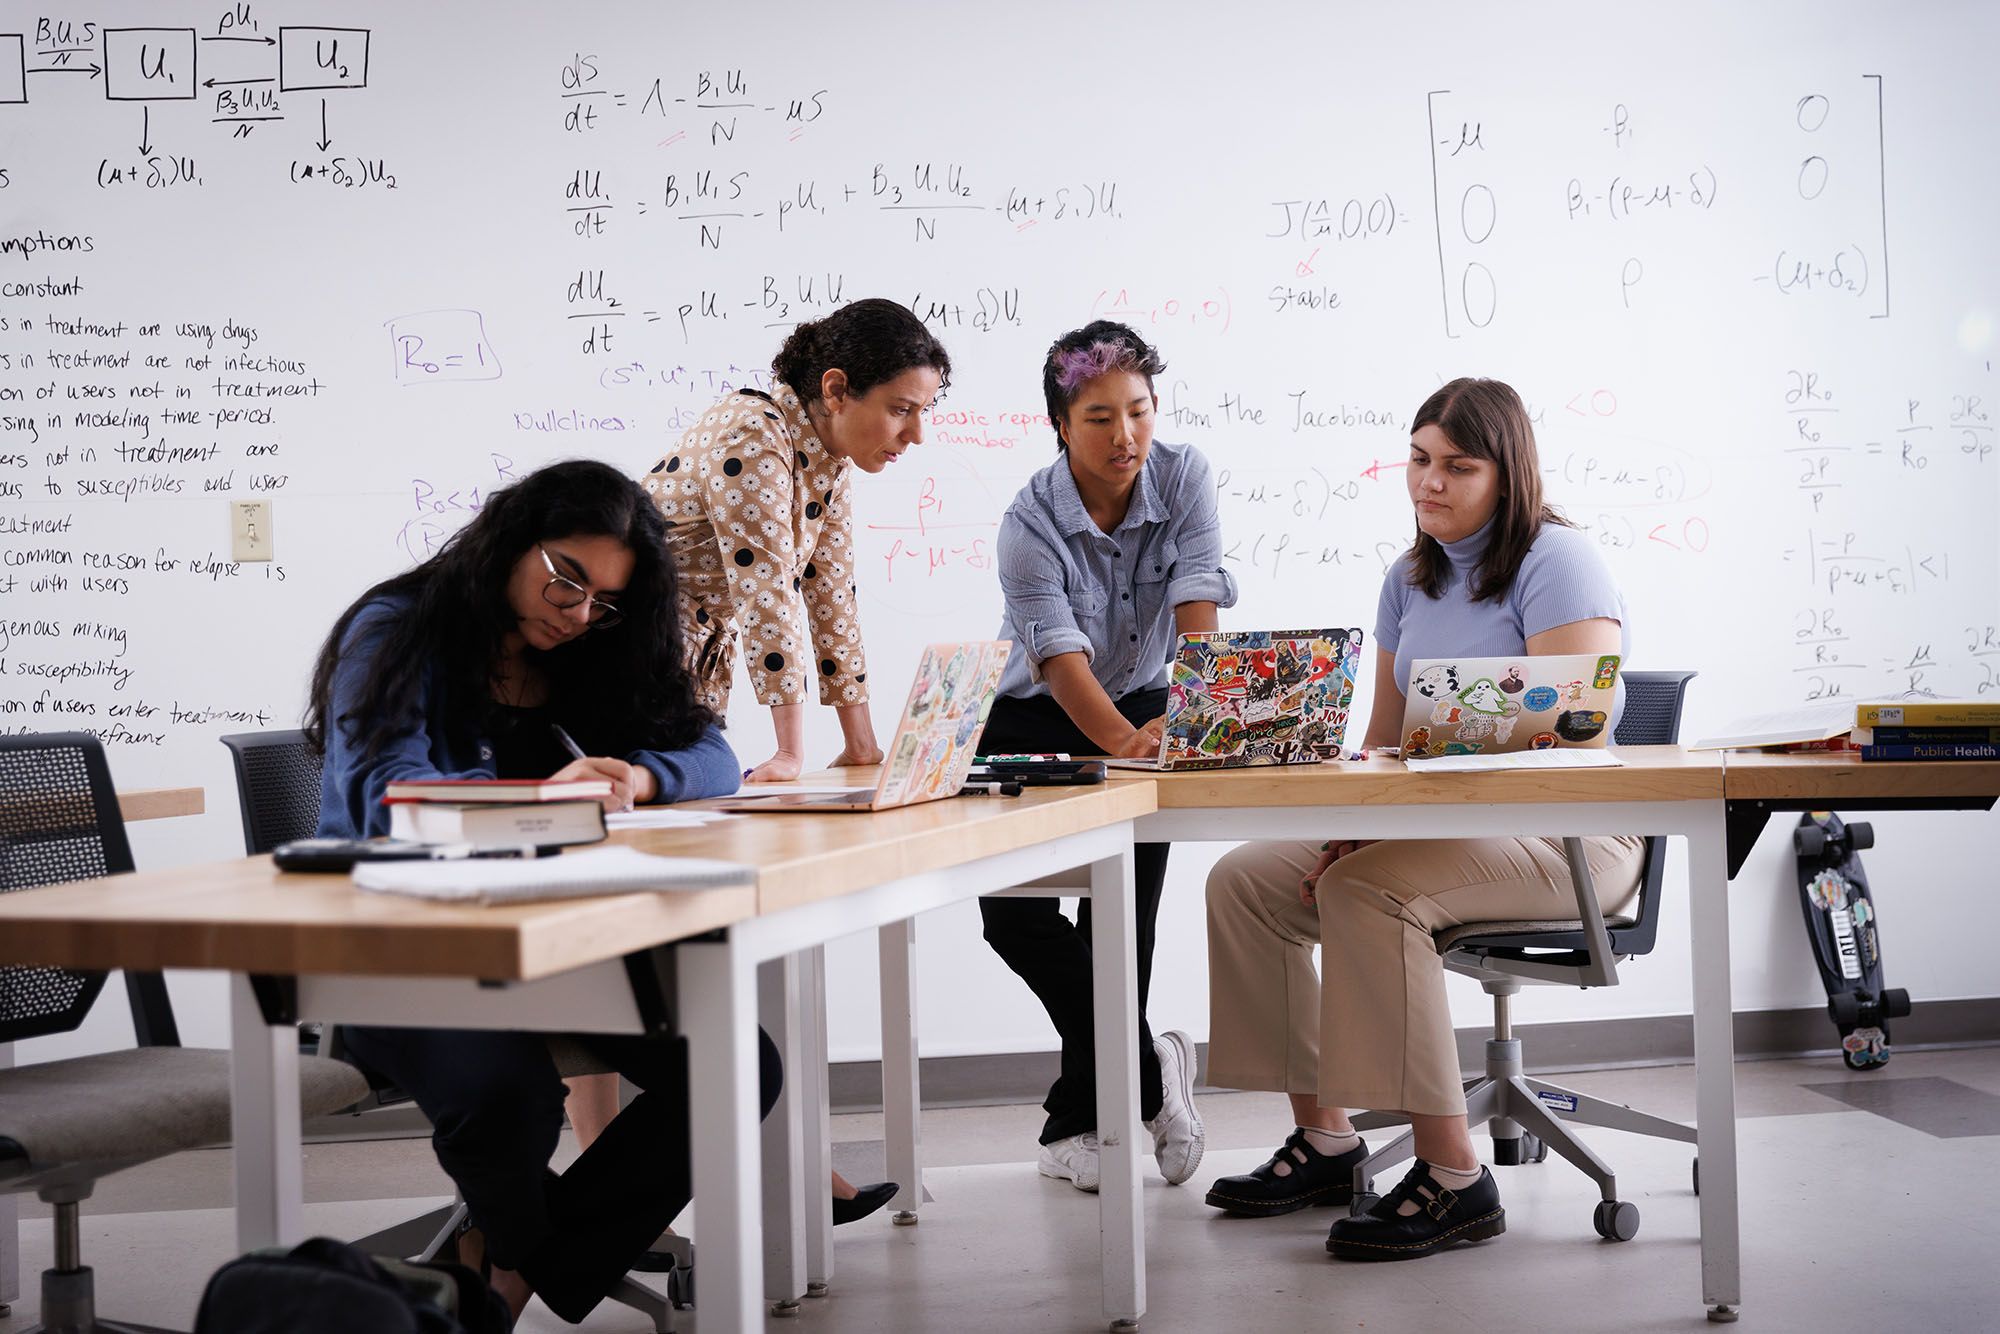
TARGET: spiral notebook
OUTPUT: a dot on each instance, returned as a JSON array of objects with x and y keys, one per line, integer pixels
[{"x": 571, "y": 876}]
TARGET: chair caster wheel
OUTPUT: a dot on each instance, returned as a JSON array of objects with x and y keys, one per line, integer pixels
[
  {"x": 1723, "y": 1315},
  {"x": 904, "y": 1218},
  {"x": 1362, "y": 1203},
  {"x": 1516, "y": 1152},
  {"x": 1616, "y": 1220}
]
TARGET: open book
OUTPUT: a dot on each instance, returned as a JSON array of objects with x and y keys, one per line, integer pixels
[{"x": 575, "y": 875}]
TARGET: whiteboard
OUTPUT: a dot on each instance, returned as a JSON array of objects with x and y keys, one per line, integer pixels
[{"x": 363, "y": 263}]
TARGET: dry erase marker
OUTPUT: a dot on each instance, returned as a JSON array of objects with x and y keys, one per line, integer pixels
[
  {"x": 990, "y": 790},
  {"x": 568, "y": 741}
]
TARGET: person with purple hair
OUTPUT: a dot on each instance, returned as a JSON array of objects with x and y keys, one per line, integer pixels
[{"x": 1106, "y": 556}]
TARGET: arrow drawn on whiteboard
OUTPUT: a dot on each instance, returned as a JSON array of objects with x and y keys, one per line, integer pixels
[
  {"x": 325, "y": 140},
  {"x": 146, "y": 130}
]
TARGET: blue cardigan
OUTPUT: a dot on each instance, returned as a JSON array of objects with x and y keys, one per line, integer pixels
[{"x": 351, "y": 784}]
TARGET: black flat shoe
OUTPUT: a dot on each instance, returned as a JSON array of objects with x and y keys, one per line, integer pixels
[
  {"x": 1314, "y": 1179},
  {"x": 867, "y": 1199},
  {"x": 1444, "y": 1218}
]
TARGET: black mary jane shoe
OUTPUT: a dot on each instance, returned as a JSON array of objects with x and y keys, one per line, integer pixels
[
  {"x": 867, "y": 1199},
  {"x": 1444, "y": 1217},
  {"x": 1314, "y": 1179}
]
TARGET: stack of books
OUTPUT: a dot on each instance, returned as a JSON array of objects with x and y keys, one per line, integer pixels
[
  {"x": 1910, "y": 729},
  {"x": 1930, "y": 729},
  {"x": 498, "y": 813}
]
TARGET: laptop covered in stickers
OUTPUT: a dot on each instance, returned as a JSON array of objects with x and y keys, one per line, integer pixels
[
  {"x": 1237, "y": 698},
  {"x": 934, "y": 744},
  {"x": 1494, "y": 712}
]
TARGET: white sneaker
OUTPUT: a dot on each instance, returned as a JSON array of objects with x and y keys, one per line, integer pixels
[
  {"x": 1073, "y": 1160},
  {"x": 1178, "y": 1137}
]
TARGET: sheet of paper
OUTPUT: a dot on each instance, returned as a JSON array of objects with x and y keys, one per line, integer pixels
[
  {"x": 664, "y": 817},
  {"x": 1520, "y": 759},
  {"x": 572, "y": 875}
]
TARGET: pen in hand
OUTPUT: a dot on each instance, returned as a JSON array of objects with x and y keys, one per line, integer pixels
[{"x": 568, "y": 741}]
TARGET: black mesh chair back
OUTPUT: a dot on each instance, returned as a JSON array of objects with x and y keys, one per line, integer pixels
[
  {"x": 59, "y": 821},
  {"x": 277, "y": 785},
  {"x": 1651, "y": 717}
]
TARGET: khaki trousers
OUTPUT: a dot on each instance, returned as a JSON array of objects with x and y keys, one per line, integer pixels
[{"x": 1376, "y": 1032}]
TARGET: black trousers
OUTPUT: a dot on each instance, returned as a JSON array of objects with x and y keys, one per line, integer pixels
[
  {"x": 1049, "y": 953},
  {"x": 495, "y": 1103}
]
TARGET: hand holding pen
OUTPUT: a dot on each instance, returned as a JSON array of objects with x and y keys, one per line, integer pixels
[{"x": 630, "y": 783}]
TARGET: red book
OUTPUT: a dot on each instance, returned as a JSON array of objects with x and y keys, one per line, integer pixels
[{"x": 514, "y": 790}]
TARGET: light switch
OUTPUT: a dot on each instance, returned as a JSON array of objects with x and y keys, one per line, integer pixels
[{"x": 249, "y": 530}]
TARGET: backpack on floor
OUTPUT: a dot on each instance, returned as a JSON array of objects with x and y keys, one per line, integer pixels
[{"x": 324, "y": 1286}]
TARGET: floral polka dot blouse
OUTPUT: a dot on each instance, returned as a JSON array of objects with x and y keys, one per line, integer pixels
[{"x": 761, "y": 536}]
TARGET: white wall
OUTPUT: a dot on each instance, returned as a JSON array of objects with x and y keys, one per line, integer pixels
[{"x": 1767, "y": 393}]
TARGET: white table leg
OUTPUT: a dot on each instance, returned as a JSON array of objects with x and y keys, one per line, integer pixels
[
  {"x": 264, "y": 1123},
  {"x": 1121, "y": 1223},
  {"x": 1715, "y": 1067},
  {"x": 718, "y": 1005},
  {"x": 817, "y": 1162},
  {"x": 901, "y": 1091},
  {"x": 783, "y": 1143}
]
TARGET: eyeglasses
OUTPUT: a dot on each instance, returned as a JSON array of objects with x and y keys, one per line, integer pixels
[{"x": 567, "y": 593}]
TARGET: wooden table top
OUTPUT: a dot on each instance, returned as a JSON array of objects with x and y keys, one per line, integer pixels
[
  {"x": 158, "y": 803},
  {"x": 1834, "y": 777},
  {"x": 245, "y": 915},
  {"x": 1649, "y": 773},
  {"x": 805, "y": 858}
]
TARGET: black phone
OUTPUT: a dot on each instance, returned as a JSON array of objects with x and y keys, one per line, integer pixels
[
  {"x": 340, "y": 854},
  {"x": 1038, "y": 773}
]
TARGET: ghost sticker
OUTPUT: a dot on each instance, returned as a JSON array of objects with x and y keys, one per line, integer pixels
[
  {"x": 1482, "y": 696},
  {"x": 1579, "y": 724},
  {"x": 1542, "y": 741},
  {"x": 1539, "y": 700}
]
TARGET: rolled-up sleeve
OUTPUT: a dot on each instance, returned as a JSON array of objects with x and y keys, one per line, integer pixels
[
  {"x": 1197, "y": 533},
  {"x": 1039, "y": 611}
]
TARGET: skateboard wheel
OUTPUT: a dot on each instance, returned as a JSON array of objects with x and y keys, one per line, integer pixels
[
  {"x": 1845, "y": 1009},
  {"x": 1809, "y": 840},
  {"x": 1895, "y": 1003},
  {"x": 1616, "y": 1220},
  {"x": 1860, "y": 836}
]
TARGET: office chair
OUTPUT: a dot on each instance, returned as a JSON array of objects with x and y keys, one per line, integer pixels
[
  {"x": 277, "y": 790},
  {"x": 277, "y": 787},
  {"x": 1529, "y": 1116},
  {"x": 64, "y": 1124}
]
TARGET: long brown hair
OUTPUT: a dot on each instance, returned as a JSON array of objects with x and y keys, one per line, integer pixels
[{"x": 1487, "y": 420}]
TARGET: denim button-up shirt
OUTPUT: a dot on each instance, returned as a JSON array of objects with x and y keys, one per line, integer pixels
[{"x": 1071, "y": 587}]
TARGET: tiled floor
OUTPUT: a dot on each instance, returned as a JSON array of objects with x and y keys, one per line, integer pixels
[{"x": 1870, "y": 1202}]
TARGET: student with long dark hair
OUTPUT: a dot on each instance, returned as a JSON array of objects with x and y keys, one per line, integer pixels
[
  {"x": 553, "y": 607},
  {"x": 760, "y": 528},
  {"x": 1106, "y": 556},
  {"x": 1493, "y": 572}
]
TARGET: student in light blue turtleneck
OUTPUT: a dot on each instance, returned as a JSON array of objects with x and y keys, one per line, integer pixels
[
  {"x": 1561, "y": 581},
  {"x": 1493, "y": 572}
]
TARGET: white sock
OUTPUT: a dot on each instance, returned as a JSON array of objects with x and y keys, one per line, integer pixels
[
  {"x": 1322, "y": 1141},
  {"x": 1331, "y": 1143},
  {"x": 1446, "y": 1177}
]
